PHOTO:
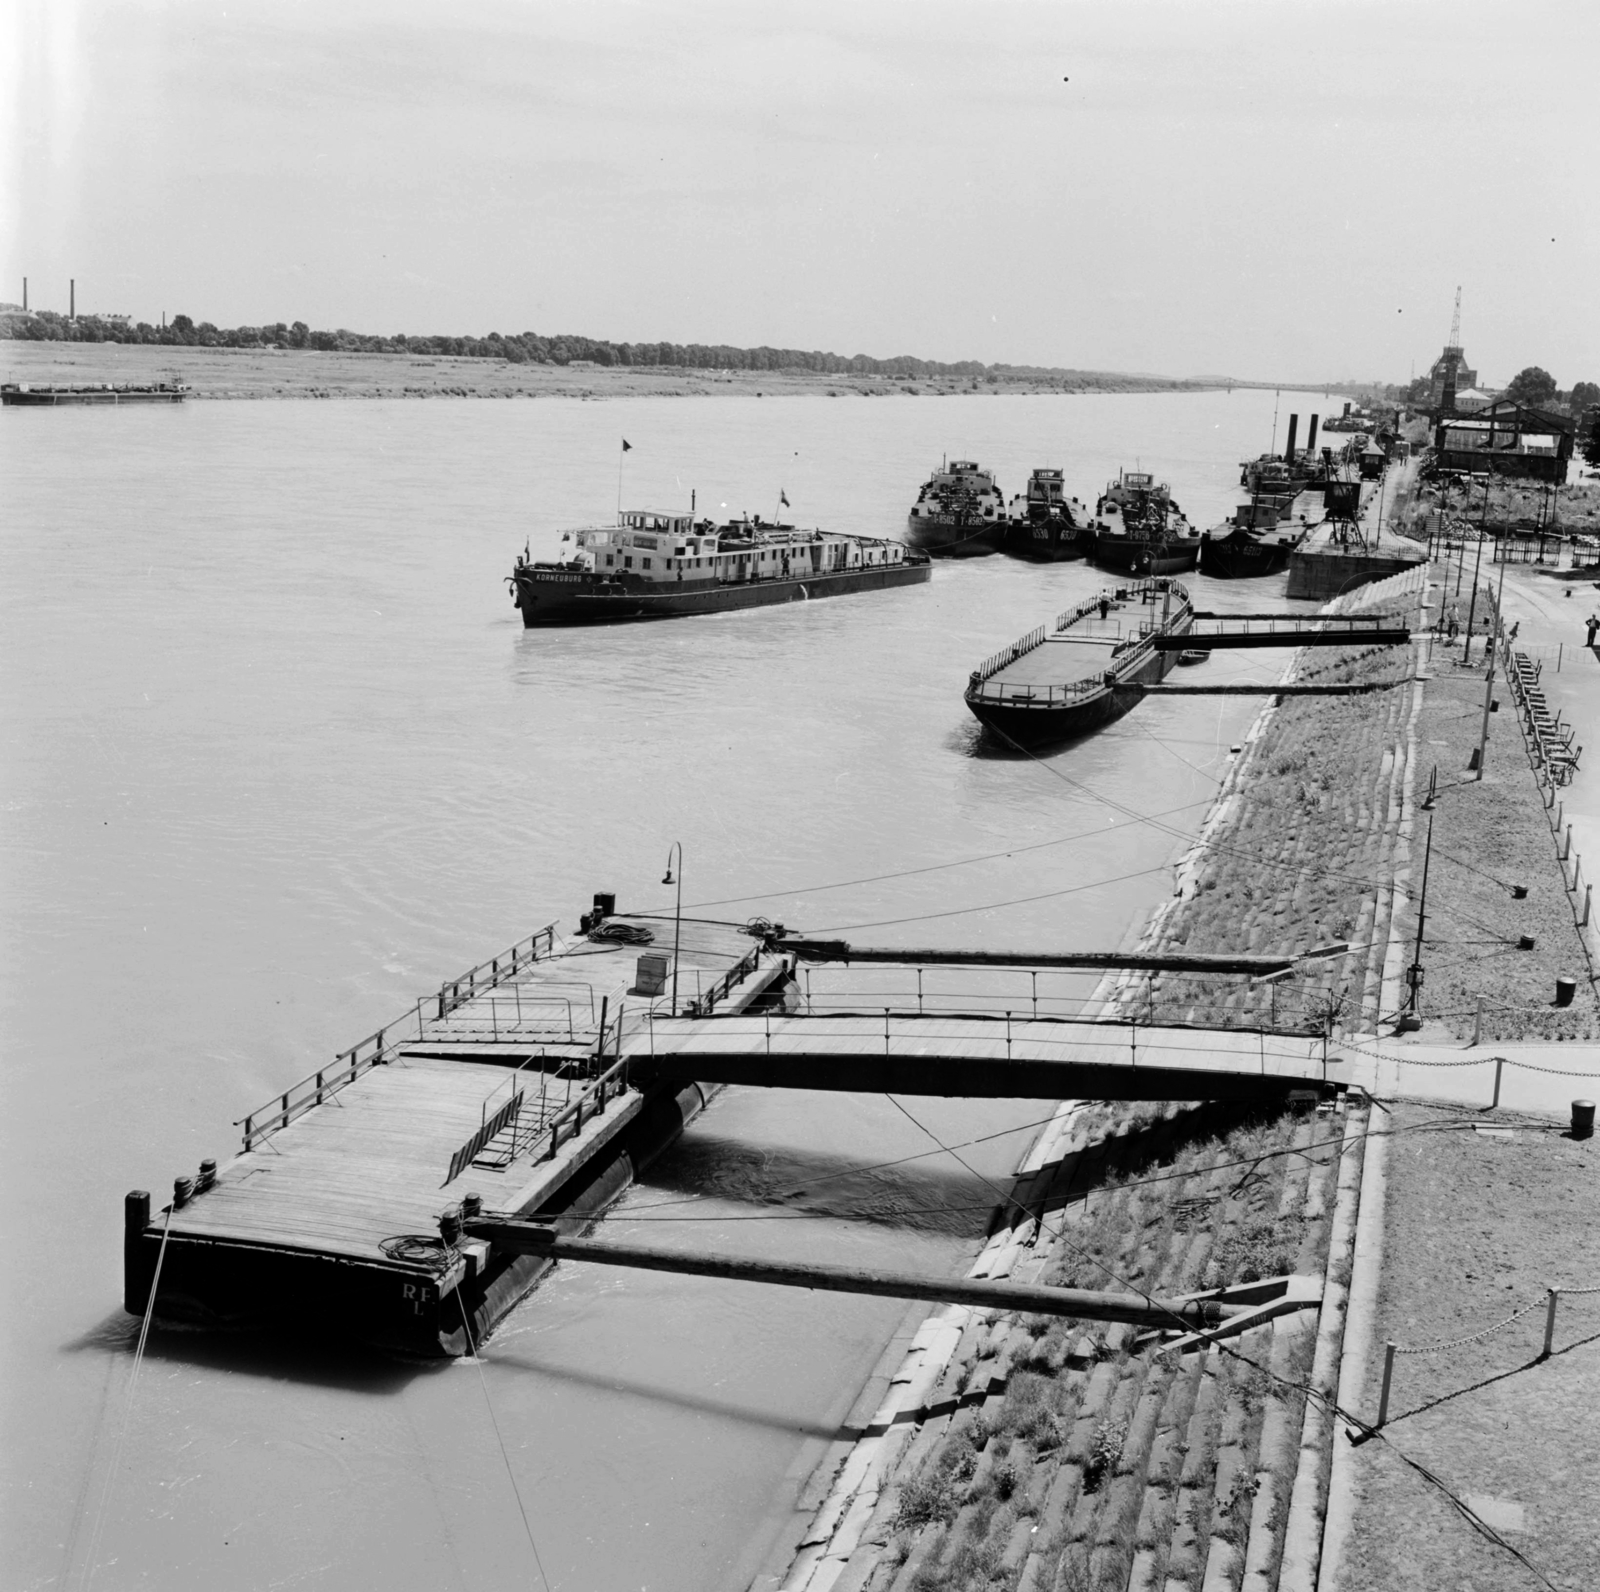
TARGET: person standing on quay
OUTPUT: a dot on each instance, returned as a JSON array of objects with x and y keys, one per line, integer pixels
[{"x": 1592, "y": 624}]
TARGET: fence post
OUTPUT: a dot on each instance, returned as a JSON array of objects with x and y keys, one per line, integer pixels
[
  {"x": 1566, "y": 843},
  {"x": 1477, "y": 1023},
  {"x": 1550, "y": 1323},
  {"x": 1499, "y": 1063},
  {"x": 1388, "y": 1376},
  {"x": 1588, "y": 892}
]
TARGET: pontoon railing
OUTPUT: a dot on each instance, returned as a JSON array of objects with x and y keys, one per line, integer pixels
[{"x": 379, "y": 1048}]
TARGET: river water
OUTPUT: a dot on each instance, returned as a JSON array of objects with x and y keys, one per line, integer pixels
[{"x": 278, "y": 755}]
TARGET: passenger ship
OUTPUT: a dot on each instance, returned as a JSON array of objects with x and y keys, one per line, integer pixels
[{"x": 652, "y": 565}]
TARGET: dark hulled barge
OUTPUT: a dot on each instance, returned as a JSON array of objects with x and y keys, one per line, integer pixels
[
  {"x": 959, "y": 513},
  {"x": 1084, "y": 670},
  {"x": 1140, "y": 531},
  {"x": 25, "y": 394},
  {"x": 671, "y": 566},
  {"x": 1041, "y": 524}
]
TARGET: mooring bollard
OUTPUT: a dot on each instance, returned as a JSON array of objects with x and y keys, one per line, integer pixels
[
  {"x": 1388, "y": 1377},
  {"x": 1583, "y": 1119},
  {"x": 1566, "y": 988}
]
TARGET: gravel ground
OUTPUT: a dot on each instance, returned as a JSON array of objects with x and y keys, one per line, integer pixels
[
  {"x": 1477, "y": 1227},
  {"x": 1489, "y": 835}
]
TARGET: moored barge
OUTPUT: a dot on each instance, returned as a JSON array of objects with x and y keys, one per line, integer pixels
[
  {"x": 24, "y": 393},
  {"x": 669, "y": 566},
  {"x": 1041, "y": 524},
  {"x": 1084, "y": 669},
  {"x": 959, "y": 512},
  {"x": 1140, "y": 531}
]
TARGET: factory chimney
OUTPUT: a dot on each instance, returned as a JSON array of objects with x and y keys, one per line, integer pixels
[
  {"x": 1311, "y": 438},
  {"x": 1288, "y": 446},
  {"x": 72, "y": 299},
  {"x": 24, "y": 293}
]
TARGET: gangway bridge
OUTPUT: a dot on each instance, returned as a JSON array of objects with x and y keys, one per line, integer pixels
[
  {"x": 986, "y": 1045},
  {"x": 1213, "y": 630}
]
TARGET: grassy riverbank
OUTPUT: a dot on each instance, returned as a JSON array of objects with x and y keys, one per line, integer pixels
[{"x": 306, "y": 373}]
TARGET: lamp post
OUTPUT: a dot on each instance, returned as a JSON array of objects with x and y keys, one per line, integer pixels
[{"x": 677, "y": 914}]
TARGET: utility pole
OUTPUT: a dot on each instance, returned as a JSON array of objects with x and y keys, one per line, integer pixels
[
  {"x": 1414, "y": 972},
  {"x": 1477, "y": 564},
  {"x": 1488, "y": 688}
]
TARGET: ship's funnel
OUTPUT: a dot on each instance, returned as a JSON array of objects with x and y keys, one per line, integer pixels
[
  {"x": 1288, "y": 446},
  {"x": 1311, "y": 438}
]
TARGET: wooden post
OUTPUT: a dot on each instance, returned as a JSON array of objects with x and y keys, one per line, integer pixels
[
  {"x": 1388, "y": 1377},
  {"x": 1588, "y": 892},
  {"x": 1550, "y": 1323},
  {"x": 1499, "y": 1063}
]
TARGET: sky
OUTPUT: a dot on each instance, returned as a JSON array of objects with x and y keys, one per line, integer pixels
[{"x": 1269, "y": 189}]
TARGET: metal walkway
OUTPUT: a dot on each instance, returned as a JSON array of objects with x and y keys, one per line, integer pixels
[{"x": 983, "y": 1055}]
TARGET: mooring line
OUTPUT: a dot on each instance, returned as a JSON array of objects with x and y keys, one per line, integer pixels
[
  {"x": 516, "y": 1491},
  {"x": 127, "y": 1412}
]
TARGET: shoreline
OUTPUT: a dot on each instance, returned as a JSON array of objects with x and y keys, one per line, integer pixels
[
  {"x": 1007, "y": 1450},
  {"x": 254, "y": 374},
  {"x": 1007, "y": 1447}
]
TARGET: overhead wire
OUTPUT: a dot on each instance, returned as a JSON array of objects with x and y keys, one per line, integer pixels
[
  {"x": 127, "y": 1410},
  {"x": 932, "y": 867},
  {"x": 488, "y": 1404}
]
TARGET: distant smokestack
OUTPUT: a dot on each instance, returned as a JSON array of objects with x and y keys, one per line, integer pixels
[
  {"x": 72, "y": 302},
  {"x": 1311, "y": 438},
  {"x": 24, "y": 292},
  {"x": 1288, "y": 446}
]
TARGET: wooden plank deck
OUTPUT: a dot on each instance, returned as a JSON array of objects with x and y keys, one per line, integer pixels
[
  {"x": 365, "y": 1166},
  {"x": 368, "y": 1164}
]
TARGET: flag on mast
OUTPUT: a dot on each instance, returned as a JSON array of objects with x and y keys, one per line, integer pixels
[
  {"x": 627, "y": 447},
  {"x": 783, "y": 497}
]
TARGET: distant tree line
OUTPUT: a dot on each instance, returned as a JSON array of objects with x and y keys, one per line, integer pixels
[{"x": 519, "y": 348}]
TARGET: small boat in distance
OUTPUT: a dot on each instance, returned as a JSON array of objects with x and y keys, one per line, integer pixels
[
  {"x": 1139, "y": 530},
  {"x": 1041, "y": 524},
  {"x": 24, "y": 393},
  {"x": 959, "y": 513},
  {"x": 668, "y": 566},
  {"x": 1084, "y": 669}
]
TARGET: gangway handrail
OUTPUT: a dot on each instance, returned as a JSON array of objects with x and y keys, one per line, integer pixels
[{"x": 378, "y": 1048}]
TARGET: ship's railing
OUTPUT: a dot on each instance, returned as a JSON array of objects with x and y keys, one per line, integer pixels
[
  {"x": 379, "y": 1048},
  {"x": 997, "y": 661},
  {"x": 1126, "y": 653},
  {"x": 706, "y": 1003},
  {"x": 534, "y": 1132}
]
